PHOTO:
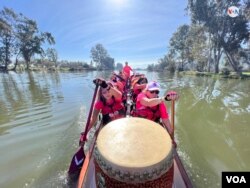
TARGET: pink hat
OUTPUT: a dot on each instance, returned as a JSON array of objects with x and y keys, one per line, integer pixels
[{"x": 151, "y": 86}]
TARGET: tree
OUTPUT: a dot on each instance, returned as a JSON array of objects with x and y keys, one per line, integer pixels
[
  {"x": 180, "y": 47},
  {"x": 108, "y": 63},
  {"x": 198, "y": 40},
  {"x": 227, "y": 34},
  {"x": 20, "y": 36},
  {"x": 150, "y": 67},
  {"x": 52, "y": 55},
  {"x": 30, "y": 40},
  {"x": 98, "y": 55},
  {"x": 246, "y": 9},
  {"x": 166, "y": 63},
  {"x": 7, "y": 35}
]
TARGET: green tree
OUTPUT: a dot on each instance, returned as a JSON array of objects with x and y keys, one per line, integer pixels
[
  {"x": 180, "y": 47},
  {"x": 199, "y": 43},
  {"x": 108, "y": 63},
  {"x": 101, "y": 57},
  {"x": 151, "y": 67},
  {"x": 7, "y": 35},
  {"x": 30, "y": 40},
  {"x": 98, "y": 54},
  {"x": 227, "y": 34},
  {"x": 52, "y": 55}
]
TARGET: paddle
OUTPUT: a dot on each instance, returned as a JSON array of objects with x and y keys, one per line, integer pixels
[
  {"x": 172, "y": 116},
  {"x": 79, "y": 156}
]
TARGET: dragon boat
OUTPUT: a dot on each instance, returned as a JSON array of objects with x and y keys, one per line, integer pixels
[{"x": 130, "y": 152}]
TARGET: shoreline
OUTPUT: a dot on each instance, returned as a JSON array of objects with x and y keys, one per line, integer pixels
[{"x": 230, "y": 75}]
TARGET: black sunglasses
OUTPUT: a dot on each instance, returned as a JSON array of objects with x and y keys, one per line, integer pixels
[{"x": 156, "y": 92}]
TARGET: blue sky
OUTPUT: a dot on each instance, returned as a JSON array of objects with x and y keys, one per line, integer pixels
[{"x": 137, "y": 31}]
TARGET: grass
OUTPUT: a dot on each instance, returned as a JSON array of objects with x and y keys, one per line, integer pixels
[{"x": 246, "y": 73}]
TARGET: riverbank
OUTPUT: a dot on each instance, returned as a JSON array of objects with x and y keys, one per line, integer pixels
[{"x": 232, "y": 75}]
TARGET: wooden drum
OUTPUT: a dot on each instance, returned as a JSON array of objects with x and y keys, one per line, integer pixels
[{"x": 135, "y": 153}]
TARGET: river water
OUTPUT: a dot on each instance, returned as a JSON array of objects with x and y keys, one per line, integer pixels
[{"x": 42, "y": 115}]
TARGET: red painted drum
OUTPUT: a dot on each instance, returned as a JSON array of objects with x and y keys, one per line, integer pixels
[{"x": 133, "y": 153}]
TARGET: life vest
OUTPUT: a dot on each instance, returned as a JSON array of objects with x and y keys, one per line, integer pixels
[
  {"x": 113, "y": 111},
  {"x": 151, "y": 113}
]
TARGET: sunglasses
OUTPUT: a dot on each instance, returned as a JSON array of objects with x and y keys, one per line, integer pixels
[{"x": 156, "y": 92}]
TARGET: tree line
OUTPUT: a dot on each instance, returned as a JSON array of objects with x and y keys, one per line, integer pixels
[
  {"x": 212, "y": 40},
  {"x": 21, "y": 38}
]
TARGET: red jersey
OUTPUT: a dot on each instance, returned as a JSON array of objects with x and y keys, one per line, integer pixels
[
  {"x": 151, "y": 112},
  {"x": 127, "y": 69},
  {"x": 111, "y": 111}
]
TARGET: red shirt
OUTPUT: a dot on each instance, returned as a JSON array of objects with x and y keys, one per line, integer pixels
[
  {"x": 114, "y": 105},
  {"x": 127, "y": 69},
  {"x": 162, "y": 106}
]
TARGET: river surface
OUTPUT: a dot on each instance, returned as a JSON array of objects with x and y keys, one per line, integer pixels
[{"x": 42, "y": 115}]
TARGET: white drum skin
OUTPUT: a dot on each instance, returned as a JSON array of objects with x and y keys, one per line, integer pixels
[{"x": 133, "y": 151}]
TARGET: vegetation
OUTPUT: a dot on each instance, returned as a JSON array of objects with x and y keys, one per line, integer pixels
[
  {"x": 20, "y": 36},
  {"x": 213, "y": 43},
  {"x": 213, "y": 40},
  {"x": 101, "y": 57},
  {"x": 20, "y": 39}
]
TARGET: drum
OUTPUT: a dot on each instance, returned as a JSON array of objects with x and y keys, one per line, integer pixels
[{"x": 135, "y": 153}]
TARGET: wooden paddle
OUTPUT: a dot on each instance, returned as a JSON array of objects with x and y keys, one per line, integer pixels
[
  {"x": 79, "y": 156},
  {"x": 172, "y": 116}
]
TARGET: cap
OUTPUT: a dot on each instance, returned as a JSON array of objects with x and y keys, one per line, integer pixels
[{"x": 151, "y": 86}]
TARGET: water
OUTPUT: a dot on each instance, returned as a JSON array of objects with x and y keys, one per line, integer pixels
[{"x": 42, "y": 115}]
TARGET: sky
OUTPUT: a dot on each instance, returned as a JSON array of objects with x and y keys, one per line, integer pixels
[{"x": 137, "y": 31}]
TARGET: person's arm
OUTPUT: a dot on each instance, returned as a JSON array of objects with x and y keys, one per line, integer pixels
[
  {"x": 139, "y": 86},
  {"x": 130, "y": 68},
  {"x": 151, "y": 102},
  {"x": 115, "y": 92}
]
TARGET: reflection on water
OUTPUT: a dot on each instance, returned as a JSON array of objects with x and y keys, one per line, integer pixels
[
  {"x": 213, "y": 127},
  {"x": 42, "y": 114}
]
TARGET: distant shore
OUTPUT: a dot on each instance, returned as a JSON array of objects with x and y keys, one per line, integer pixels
[
  {"x": 232, "y": 75},
  {"x": 60, "y": 68}
]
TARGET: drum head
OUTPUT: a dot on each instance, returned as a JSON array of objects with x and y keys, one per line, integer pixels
[{"x": 134, "y": 146}]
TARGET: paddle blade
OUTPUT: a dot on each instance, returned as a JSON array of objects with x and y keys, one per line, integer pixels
[{"x": 77, "y": 161}]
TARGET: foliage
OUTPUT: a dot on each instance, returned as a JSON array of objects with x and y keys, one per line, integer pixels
[
  {"x": 20, "y": 35},
  {"x": 150, "y": 67},
  {"x": 52, "y": 55},
  {"x": 198, "y": 40},
  {"x": 166, "y": 63},
  {"x": 180, "y": 47},
  {"x": 225, "y": 71},
  {"x": 108, "y": 63},
  {"x": 101, "y": 57},
  {"x": 227, "y": 34},
  {"x": 30, "y": 40},
  {"x": 7, "y": 35}
]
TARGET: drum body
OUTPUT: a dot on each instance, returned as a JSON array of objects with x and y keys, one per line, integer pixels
[{"x": 135, "y": 153}]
